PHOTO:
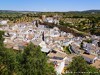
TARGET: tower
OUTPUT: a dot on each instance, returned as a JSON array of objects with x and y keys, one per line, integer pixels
[
  {"x": 37, "y": 23},
  {"x": 43, "y": 36}
]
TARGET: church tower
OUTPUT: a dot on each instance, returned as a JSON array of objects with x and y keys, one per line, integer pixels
[{"x": 43, "y": 36}]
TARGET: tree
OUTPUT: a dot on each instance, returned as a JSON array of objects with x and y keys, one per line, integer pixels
[
  {"x": 34, "y": 62},
  {"x": 1, "y": 38},
  {"x": 78, "y": 64},
  {"x": 8, "y": 64}
]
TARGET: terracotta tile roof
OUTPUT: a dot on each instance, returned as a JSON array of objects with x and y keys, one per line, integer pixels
[
  {"x": 58, "y": 55},
  {"x": 88, "y": 56}
]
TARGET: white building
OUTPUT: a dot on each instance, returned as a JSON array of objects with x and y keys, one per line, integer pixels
[
  {"x": 3, "y": 22},
  {"x": 89, "y": 58}
]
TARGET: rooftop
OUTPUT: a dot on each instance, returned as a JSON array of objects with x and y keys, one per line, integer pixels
[
  {"x": 96, "y": 64},
  {"x": 88, "y": 56},
  {"x": 58, "y": 56}
]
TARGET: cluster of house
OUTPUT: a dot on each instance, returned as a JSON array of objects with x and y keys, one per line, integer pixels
[
  {"x": 51, "y": 41},
  {"x": 92, "y": 51},
  {"x": 54, "y": 19},
  {"x": 3, "y": 22}
]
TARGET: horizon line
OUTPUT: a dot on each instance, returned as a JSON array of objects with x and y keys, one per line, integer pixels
[{"x": 47, "y": 10}]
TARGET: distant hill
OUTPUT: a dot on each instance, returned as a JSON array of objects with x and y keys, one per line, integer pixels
[
  {"x": 86, "y": 11},
  {"x": 12, "y": 11},
  {"x": 92, "y": 11},
  {"x": 7, "y": 11}
]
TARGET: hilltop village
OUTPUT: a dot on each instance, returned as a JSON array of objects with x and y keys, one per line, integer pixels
[{"x": 59, "y": 46}]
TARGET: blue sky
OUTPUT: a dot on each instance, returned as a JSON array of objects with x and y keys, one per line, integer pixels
[{"x": 49, "y": 5}]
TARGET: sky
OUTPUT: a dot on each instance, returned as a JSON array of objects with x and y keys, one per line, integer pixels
[{"x": 49, "y": 5}]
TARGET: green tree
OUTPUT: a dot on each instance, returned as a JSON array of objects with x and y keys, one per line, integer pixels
[
  {"x": 35, "y": 62},
  {"x": 8, "y": 64},
  {"x": 1, "y": 38},
  {"x": 78, "y": 64}
]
